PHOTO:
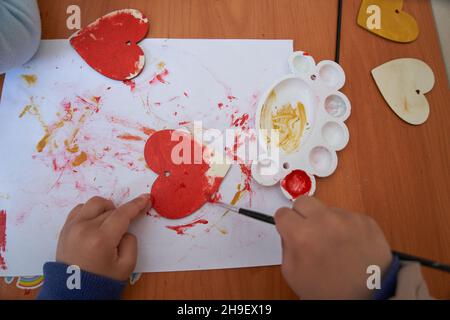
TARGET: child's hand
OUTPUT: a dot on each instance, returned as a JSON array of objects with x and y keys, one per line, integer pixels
[
  {"x": 95, "y": 237},
  {"x": 326, "y": 251}
]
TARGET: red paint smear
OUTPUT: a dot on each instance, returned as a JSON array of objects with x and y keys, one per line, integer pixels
[
  {"x": 68, "y": 110},
  {"x": 96, "y": 99},
  {"x": 130, "y": 137},
  {"x": 231, "y": 98},
  {"x": 131, "y": 84},
  {"x": 147, "y": 131},
  {"x": 216, "y": 197},
  {"x": 180, "y": 189},
  {"x": 80, "y": 187},
  {"x": 297, "y": 183},
  {"x": 247, "y": 172},
  {"x": 183, "y": 123},
  {"x": 240, "y": 121},
  {"x": 2, "y": 239},
  {"x": 182, "y": 229},
  {"x": 186, "y": 94},
  {"x": 220, "y": 105},
  {"x": 232, "y": 153},
  {"x": 109, "y": 45},
  {"x": 160, "y": 77}
]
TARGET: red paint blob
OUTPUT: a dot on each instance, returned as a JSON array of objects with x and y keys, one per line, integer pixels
[
  {"x": 131, "y": 84},
  {"x": 216, "y": 197},
  {"x": 297, "y": 183},
  {"x": 181, "y": 188},
  {"x": 160, "y": 77},
  {"x": 240, "y": 121},
  {"x": 109, "y": 45},
  {"x": 2, "y": 239},
  {"x": 182, "y": 229}
]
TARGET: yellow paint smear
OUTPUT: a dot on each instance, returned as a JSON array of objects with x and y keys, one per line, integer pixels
[
  {"x": 238, "y": 195},
  {"x": 25, "y": 110},
  {"x": 80, "y": 159},
  {"x": 266, "y": 113},
  {"x": 290, "y": 123},
  {"x": 72, "y": 149},
  {"x": 161, "y": 65},
  {"x": 43, "y": 143},
  {"x": 30, "y": 79},
  {"x": 33, "y": 110}
]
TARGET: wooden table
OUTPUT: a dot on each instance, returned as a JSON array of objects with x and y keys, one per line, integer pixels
[{"x": 397, "y": 173}]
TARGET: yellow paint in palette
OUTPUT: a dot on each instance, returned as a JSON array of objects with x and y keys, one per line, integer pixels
[{"x": 290, "y": 122}]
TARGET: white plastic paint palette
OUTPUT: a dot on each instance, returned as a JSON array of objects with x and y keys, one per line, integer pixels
[{"x": 308, "y": 110}]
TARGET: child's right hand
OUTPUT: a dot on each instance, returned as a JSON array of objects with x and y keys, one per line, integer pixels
[
  {"x": 95, "y": 237},
  {"x": 326, "y": 251}
]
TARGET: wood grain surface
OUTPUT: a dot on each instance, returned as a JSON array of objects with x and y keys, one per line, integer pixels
[{"x": 397, "y": 173}]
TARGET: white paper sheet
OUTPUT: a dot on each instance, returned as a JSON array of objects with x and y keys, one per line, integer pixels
[{"x": 38, "y": 189}]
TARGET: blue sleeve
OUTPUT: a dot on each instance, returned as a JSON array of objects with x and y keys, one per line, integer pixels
[
  {"x": 20, "y": 32},
  {"x": 92, "y": 286},
  {"x": 389, "y": 281}
]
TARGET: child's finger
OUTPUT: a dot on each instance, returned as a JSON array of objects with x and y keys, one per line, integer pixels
[
  {"x": 117, "y": 223},
  {"x": 308, "y": 206},
  {"x": 95, "y": 207},
  {"x": 288, "y": 222},
  {"x": 74, "y": 213},
  {"x": 128, "y": 252}
]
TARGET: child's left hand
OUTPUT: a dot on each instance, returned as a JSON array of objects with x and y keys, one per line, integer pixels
[{"x": 95, "y": 237}]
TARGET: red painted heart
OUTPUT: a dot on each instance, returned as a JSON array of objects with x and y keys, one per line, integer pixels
[
  {"x": 181, "y": 188},
  {"x": 109, "y": 44}
]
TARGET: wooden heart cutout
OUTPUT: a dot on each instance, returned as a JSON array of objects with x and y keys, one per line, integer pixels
[
  {"x": 109, "y": 44},
  {"x": 180, "y": 189},
  {"x": 403, "y": 83},
  {"x": 394, "y": 24}
]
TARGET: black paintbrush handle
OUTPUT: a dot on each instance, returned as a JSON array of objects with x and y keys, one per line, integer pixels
[
  {"x": 257, "y": 215},
  {"x": 422, "y": 261}
]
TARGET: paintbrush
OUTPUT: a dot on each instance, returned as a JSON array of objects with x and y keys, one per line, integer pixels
[
  {"x": 246, "y": 212},
  {"x": 269, "y": 219}
]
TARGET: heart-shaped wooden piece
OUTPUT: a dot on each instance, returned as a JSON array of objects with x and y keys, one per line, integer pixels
[
  {"x": 186, "y": 180},
  {"x": 109, "y": 44},
  {"x": 386, "y": 19},
  {"x": 403, "y": 83}
]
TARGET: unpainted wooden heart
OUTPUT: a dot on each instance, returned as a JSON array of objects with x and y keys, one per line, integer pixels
[
  {"x": 395, "y": 24},
  {"x": 109, "y": 44},
  {"x": 403, "y": 84}
]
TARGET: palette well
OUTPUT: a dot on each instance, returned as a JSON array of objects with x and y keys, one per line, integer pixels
[{"x": 308, "y": 112}]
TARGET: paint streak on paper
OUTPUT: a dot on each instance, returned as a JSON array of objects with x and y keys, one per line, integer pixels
[
  {"x": 181, "y": 230},
  {"x": 30, "y": 79}
]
